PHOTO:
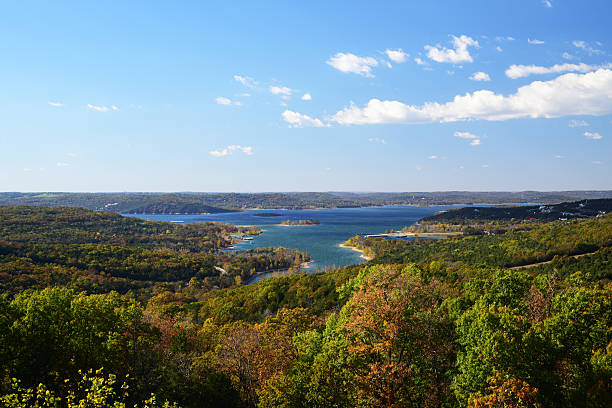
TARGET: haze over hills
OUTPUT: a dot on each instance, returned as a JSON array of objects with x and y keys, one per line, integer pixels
[{"x": 198, "y": 203}]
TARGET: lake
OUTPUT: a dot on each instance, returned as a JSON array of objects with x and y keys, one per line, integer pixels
[{"x": 322, "y": 240}]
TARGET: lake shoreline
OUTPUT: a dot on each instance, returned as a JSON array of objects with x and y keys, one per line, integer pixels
[{"x": 352, "y": 248}]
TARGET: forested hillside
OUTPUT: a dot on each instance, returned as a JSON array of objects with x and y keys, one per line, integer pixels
[
  {"x": 424, "y": 324},
  {"x": 571, "y": 210},
  {"x": 102, "y": 251}
]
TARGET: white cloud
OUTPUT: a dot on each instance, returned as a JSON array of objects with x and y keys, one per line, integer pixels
[
  {"x": 419, "y": 61},
  {"x": 280, "y": 90},
  {"x": 596, "y": 162},
  {"x": 534, "y": 41},
  {"x": 115, "y": 108},
  {"x": 519, "y": 71},
  {"x": 246, "y": 81},
  {"x": 485, "y": 166},
  {"x": 61, "y": 164},
  {"x": 351, "y": 63},
  {"x": 245, "y": 94},
  {"x": 237, "y": 103},
  {"x": 594, "y": 136},
  {"x": 547, "y": 3},
  {"x": 27, "y": 169},
  {"x": 549, "y": 99},
  {"x": 56, "y": 104},
  {"x": 498, "y": 48},
  {"x": 474, "y": 140},
  {"x": 577, "y": 123},
  {"x": 219, "y": 153},
  {"x": 296, "y": 120},
  {"x": 510, "y": 38},
  {"x": 222, "y": 100},
  {"x": 433, "y": 157},
  {"x": 248, "y": 150},
  {"x": 98, "y": 108},
  {"x": 465, "y": 135},
  {"x": 377, "y": 140},
  {"x": 583, "y": 45},
  {"x": 558, "y": 156},
  {"x": 568, "y": 56},
  {"x": 398, "y": 56},
  {"x": 306, "y": 97},
  {"x": 480, "y": 76},
  {"x": 457, "y": 55}
]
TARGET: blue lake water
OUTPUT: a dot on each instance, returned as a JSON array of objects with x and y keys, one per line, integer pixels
[{"x": 321, "y": 241}]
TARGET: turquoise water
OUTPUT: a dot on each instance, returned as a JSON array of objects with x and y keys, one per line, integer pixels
[{"x": 321, "y": 241}]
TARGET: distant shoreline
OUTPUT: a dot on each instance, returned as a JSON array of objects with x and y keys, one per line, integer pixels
[{"x": 352, "y": 248}]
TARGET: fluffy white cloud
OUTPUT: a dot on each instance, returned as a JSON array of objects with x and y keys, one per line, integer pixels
[
  {"x": 97, "y": 108},
  {"x": 498, "y": 48},
  {"x": 519, "y": 71},
  {"x": 550, "y": 99},
  {"x": 577, "y": 123},
  {"x": 596, "y": 162},
  {"x": 351, "y": 63},
  {"x": 280, "y": 90},
  {"x": 419, "y": 61},
  {"x": 433, "y": 157},
  {"x": 458, "y": 54},
  {"x": 594, "y": 136},
  {"x": 222, "y": 100},
  {"x": 558, "y": 156},
  {"x": 246, "y": 81},
  {"x": 480, "y": 76},
  {"x": 377, "y": 140},
  {"x": 534, "y": 41},
  {"x": 474, "y": 140},
  {"x": 465, "y": 135},
  {"x": 56, "y": 104},
  {"x": 398, "y": 56},
  {"x": 547, "y": 3},
  {"x": 296, "y": 119},
  {"x": 248, "y": 150},
  {"x": 306, "y": 97}
]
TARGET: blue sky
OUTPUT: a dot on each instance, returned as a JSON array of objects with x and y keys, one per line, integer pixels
[{"x": 305, "y": 96}]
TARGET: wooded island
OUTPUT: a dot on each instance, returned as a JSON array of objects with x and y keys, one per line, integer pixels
[{"x": 300, "y": 223}]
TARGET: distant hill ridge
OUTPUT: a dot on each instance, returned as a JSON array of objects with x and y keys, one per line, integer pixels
[
  {"x": 197, "y": 203},
  {"x": 567, "y": 210}
]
